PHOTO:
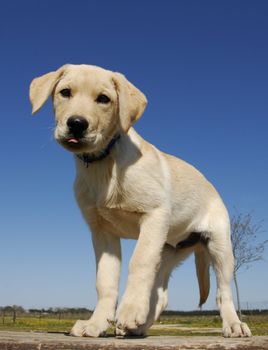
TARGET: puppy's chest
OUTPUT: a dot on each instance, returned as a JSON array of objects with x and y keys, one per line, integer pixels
[
  {"x": 102, "y": 190},
  {"x": 110, "y": 188},
  {"x": 113, "y": 203},
  {"x": 122, "y": 223}
]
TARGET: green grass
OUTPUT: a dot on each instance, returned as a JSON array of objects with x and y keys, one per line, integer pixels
[
  {"x": 257, "y": 323},
  {"x": 192, "y": 321},
  {"x": 37, "y": 324},
  {"x": 173, "y": 326}
]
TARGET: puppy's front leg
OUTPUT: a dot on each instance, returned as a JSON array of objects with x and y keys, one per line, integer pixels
[
  {"x": 108, "y": 261},
  {"x": 134, "y": 307}
]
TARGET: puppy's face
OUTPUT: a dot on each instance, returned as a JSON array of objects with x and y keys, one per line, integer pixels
[
  {"x": 91, "y": 105},
  {"x": 86, "y": 109}
]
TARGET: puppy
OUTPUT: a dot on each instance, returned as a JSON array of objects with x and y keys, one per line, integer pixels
[{"x": 126, "y": 188}]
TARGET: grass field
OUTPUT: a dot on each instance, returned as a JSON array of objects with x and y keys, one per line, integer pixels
[{"x": 168, "y": 325}]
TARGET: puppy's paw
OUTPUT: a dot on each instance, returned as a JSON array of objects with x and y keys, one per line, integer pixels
[
  {"x": 236, "y": 330},
  {"x": 89, "y": 329},
  {"x": 131, "y": 318},
  {"x": 77, "y": 330},
  {"x": 124, "y": 333}
]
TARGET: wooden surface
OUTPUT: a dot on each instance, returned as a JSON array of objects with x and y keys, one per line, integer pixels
[{"x": 47, "y": 341}]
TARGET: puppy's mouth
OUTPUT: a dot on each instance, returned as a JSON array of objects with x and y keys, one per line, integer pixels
[
  {"x": 73, "y": 141},
  {"x": 77, "y": 145}
]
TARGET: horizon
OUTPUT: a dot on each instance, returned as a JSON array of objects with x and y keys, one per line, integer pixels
[{"x": 84, "y": 309}]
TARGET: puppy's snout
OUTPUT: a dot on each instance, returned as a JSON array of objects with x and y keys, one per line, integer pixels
[{"x": 77, "y": 125}]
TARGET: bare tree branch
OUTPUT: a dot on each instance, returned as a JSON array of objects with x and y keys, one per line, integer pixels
[
  {"x": 246, "y": 249},
  {"x": 244, "y": 233}
]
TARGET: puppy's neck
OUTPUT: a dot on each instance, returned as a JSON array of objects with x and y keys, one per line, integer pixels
[{"x": 88, "y": 158}]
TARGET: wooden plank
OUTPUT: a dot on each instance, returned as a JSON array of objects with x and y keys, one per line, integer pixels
[{"x": 59, "y": 341}]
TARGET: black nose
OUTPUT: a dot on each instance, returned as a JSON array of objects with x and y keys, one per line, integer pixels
[{"x": 77, "y": 125}]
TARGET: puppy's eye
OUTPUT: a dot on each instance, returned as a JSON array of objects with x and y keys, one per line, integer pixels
[
  {"x": 66, "y": 92},
  {"x": 103, "y": 99}
]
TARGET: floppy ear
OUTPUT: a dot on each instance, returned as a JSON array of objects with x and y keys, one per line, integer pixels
[
  {"x": 42, "y": 87},
  {"x": 132, "y": 101}
]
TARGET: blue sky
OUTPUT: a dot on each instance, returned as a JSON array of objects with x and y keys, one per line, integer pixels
[{"x": 203, "y": 67}]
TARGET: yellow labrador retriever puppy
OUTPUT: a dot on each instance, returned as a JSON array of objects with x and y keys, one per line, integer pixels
[{"x": 126, "y": 188}]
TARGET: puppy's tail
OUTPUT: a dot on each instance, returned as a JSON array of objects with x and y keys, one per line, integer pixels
[{"x": 202, "y": 263}]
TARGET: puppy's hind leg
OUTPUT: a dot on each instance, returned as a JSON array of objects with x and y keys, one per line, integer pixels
[
  {"x": 220, "y": 250},
  {"x": 171, "y": 257}
]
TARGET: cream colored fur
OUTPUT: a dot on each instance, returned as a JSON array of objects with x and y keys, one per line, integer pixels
[{"x": 141, "y": 193}]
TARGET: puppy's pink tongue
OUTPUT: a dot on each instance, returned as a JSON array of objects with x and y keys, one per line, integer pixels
[{"x": 73, "y": 141}]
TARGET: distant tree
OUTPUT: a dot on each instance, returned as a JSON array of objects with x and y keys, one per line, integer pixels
[
  {"x": 3, "y": 313},
  {"x": 34, "y": 311},
  {"x": 61, "y": 311},
  {"x": 7, "y": 310},
  {"x": 17, "y": 310},
  {"x": 12, "y": 311},
  {"x": 246, "y": 249}
]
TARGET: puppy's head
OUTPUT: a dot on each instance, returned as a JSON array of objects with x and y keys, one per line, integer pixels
[{"x": 91, "y": 105}]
